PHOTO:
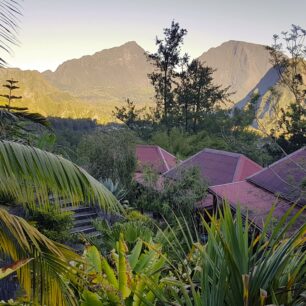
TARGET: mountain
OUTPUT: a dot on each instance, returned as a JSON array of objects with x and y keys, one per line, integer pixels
[
  {"x": 272, "y": 96},
  {"x": 93, "y": 85},
  {"x": 109, "y": 76},
  {"x": 238, "y": 64},
  {"x": 40, "y": 96}
]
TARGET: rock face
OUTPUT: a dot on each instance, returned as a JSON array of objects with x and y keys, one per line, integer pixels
[
  {"x": 238, "y": 64},
  {"x": 107, "y": 76}
]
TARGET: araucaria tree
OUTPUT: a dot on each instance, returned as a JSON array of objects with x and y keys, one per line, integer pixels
[
  {"x": 167, "y": 60},
  {"x": 16, "y": 123},
  {"x": 288, "y": 54}
]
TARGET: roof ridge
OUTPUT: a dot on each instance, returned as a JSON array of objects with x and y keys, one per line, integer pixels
[
  {"x": 184, "y": 161},
  {"x": 164, "y": 150},
  {"x": 234, "y": 154},
  {"x": 239, "y": 166},
  {"x": 252, "y": 161},
  {"x": 231, "y": 183},
  {"x": 163, "y": 157},
  {"x": 277, "y": 162}
]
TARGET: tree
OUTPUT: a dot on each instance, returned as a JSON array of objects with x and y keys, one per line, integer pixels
[
  {"x": 128, "y": 114},
  {"x": 166, "y": 60},
  {"x": 288, "y": 54},
  {"x": 15, "y": 121},
  {"x": 197, "y": 95}
]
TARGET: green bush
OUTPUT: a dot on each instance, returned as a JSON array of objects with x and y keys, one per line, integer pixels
[
  {"x": 109, "y": 155},
  {"x": 52, "y": 222}
]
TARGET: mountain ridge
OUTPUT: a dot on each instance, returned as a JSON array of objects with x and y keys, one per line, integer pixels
[{"x": 93, "y": 84}]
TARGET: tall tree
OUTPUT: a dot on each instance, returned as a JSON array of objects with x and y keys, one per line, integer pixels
[
  {"x": 166, "y": 61},
  {"x": 288, "y": 53},
  {"x": 197, "y": 95},
  {"x": 16, "y": 122}
]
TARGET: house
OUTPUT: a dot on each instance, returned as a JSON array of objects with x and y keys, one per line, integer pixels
[
  {"x": 281, "y": 184},
  {"x": 217, "y": 167},
  {"x": 154, "y": 158}
]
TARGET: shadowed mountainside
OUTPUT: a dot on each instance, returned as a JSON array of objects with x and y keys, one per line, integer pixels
[{"x": 40, "y": 96}]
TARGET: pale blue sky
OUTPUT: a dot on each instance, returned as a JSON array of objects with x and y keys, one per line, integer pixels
[{"x": 56, "y": 30}]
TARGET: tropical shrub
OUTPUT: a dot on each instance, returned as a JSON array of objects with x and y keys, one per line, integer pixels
[
  {"x": 180, "y": 195},
  {"x": 52, "y": 222},
  {"x": 134, "y": 225},
  {"x": 119, "y": 279},
  {"x": 238, "y": 265}
]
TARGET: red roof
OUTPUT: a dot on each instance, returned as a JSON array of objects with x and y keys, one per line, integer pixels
[
  {"x": 254, "y": 201},
  {"x": 284, "y": 177},
  {"x": 218, "y": 167},
  {"x": 155, "y": 157}
]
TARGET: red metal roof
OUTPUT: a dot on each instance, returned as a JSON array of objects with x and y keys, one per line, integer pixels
[
  {"x": 217, "y": 167},
  {"x": 284, "y": 177},
  {"x": 155, "y": 157},
  {"x": 254, "y": 201}
]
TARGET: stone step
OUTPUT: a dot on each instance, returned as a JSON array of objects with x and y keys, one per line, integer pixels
[
  {"x": 82, "y": 222},
  {"x": 77, "y": 209},
  {"x": 94, "y": 234},
  {"x": 85, "y": 215},
  {"x": 83, "y": 229}
]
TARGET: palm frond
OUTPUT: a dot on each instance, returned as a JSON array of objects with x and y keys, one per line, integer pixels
[
  {"x": 48, "y": 278},
  {"x": 32, "y": 176},
  {"x": 10, "y": 11}
]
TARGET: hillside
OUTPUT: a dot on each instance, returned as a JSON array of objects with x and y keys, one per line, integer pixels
[
  {"x": 238, "y": 64},
  {"x": 272, "y": 97},
  {"x": 40, "y": 96},
  {"x": 109, "y": 76},
  {"x": 93, "y": 85}
]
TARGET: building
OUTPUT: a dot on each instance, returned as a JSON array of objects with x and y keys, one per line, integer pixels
[
  {"x": 153, "y": 158},
  {"x": 217, "y": 167},
  {"x": 280, "y": 185}
]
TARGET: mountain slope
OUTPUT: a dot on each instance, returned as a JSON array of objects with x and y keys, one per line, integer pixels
[
  {"x": 40, "y": 96},
  {"x": 108, "y": 76},
  {"x": 240, "y": 65},
  {"x": 272, "y": 98},
  {"x": 93, "y": 85}
]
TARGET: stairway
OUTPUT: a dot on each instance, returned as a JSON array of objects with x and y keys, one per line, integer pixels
[{"x": 83, "y": 216}]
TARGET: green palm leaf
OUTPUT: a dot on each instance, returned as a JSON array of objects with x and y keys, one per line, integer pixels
[
  {"x": 47, "y": 278},
  {"x": 31, "y": 175}
]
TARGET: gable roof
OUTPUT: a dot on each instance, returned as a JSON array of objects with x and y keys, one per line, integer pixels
[
  {"x": 155, "y": 157},
  {"x": 255, "y": 202},
  {"x": 284, "y": 177},
  {"x": 217, "y": 167}
]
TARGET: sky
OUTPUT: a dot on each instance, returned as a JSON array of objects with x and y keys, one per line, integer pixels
[{"x": 57, "y": 30}]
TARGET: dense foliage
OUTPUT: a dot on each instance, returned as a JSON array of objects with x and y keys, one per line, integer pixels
[
  {"x": 288, "y": 54},
  {"x": 109, "y": 154},
  {"x": 169, "y": 196},
  {"x": 137, "y": 260}
]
